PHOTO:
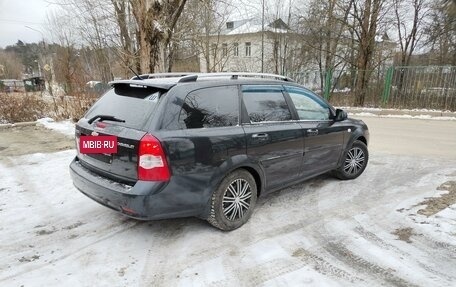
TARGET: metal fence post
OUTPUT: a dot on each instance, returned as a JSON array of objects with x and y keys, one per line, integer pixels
[
  {"x": 387, "y": 86},
  {"x": 328, "y": 78}
]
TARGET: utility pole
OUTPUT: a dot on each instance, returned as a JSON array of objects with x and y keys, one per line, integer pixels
[{"x": 262, "y": 37}]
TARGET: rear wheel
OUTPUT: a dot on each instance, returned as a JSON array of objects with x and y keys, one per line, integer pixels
[
  {"x": 355, "y": 161},
  {"x": 233, "y": 202}
]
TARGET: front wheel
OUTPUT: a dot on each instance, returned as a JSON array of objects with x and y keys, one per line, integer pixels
[
  {"x": 355, "y": 161},
  {"x": 233, "y": 202}
]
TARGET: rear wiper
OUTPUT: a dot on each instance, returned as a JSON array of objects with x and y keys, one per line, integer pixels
[{"x": 105, "y": 117}]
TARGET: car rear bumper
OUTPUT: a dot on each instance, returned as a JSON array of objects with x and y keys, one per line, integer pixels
[{"x": 144, "y": 200}]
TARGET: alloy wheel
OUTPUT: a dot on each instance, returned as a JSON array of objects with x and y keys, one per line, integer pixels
[
  {"x": 354, "y": 161},
  {"x": 236, "y": 199}
]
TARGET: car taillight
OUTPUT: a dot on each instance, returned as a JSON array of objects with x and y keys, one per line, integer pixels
[{"x": 152, "y": 164}]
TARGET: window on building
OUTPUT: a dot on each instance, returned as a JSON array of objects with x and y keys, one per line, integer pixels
[
  {"x": 225, "y": 49},
  {"x": 213, "y": 48},
  {"x": 265, "y": 103},
  {"x": 236, "y": 49},
  {"x": 210, "y": 107},
  {"x": 229, "y": 25},
  {"x": 248, "y": 49}
]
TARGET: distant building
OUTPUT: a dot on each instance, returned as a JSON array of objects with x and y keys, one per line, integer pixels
[
  {"x": 238, "y": 47},
  {"x": 12, "y": 85},
  {"x": 34, "y": 84}
]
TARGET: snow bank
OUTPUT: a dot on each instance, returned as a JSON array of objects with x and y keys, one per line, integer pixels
[
  {"x": 64, "y": 127},
  {"x": 397, "y": 110},
  {"x": 421, "y": 117}
]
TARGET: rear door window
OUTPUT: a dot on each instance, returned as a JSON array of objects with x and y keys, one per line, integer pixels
[
  {"x": 133, "y": 104},
  {"x": 210, "y": 107},
  {"x": 265, "y": 103}
]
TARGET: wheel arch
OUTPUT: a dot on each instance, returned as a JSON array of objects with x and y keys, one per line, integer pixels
[
  {"x": 255, "y": 175},
  {"x": 356, "y": 135},
  {"x": 228, "y": 166},
  {"x": 362, "y": 139}
]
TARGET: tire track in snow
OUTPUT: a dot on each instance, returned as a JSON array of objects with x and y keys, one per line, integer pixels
[
  {"x": 164, "y": 247},
  {"x": 323, "y": 266},
  {"x": 38, "y": 265},
  {"x": 373, "y": 238},
  {"x": 362, "y": 265}
]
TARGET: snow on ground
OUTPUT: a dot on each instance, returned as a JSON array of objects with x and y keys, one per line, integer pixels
[
  {"x": 323, "y": 232},
  {"x": 424, "y": 114},
  {"x": 64, "y": 127},
  {"x": 421, "y": 117},
  {"x": 397, "y": 110}
]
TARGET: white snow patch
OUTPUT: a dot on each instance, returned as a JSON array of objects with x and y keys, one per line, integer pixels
[
  {"x": 305, "y": 276},
  {"x": 397, "y": 110},
  {"x": 208, "y": 272},
  {"x": 64, "y": 127},
  {"x": 421, "y": 117}
]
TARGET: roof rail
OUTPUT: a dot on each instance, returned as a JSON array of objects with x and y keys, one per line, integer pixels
[
  {"x": 232, "y": 75},
  {"x": 161, "y": 75}
]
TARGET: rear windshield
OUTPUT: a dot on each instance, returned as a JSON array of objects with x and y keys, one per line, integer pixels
[{"x": 133, "y": 104}]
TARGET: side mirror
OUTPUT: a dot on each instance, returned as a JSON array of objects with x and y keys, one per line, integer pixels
[{"x": 341, "y": 115}]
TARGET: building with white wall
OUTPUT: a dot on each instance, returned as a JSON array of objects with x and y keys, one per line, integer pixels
[{"x": 246, "y": 46}]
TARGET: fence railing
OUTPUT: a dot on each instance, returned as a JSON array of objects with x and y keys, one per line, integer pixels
[{"x": 412, "y": 87}]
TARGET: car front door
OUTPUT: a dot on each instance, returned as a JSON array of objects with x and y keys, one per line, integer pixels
[
  {"x": 274, "y": 139},
  {"x": 323, "y": 138}
]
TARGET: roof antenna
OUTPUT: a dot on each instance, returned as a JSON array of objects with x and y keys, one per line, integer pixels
[{"x": 136, "y": 74}]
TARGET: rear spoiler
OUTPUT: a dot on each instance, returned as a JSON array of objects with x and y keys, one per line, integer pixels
[{"x": 140, "y": 84}]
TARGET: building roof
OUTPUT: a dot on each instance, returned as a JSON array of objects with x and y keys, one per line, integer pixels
[{"x": 253, "y": 25}]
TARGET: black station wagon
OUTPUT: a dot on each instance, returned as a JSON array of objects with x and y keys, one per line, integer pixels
[{"x": 208, "y": 145}]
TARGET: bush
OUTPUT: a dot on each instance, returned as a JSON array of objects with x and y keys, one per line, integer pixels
[
  {"x": 22, "y": 107},
  {"x": 16, "y": 107},
  {"x": 72, "y": 107}
]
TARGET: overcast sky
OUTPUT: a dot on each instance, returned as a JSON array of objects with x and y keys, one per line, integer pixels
[{"x": 15, "y": 15}]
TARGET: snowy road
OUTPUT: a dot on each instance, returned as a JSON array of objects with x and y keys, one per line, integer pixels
[{"x": 372, "y": 231}]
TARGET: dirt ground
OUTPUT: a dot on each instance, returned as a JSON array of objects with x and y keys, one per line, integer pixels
[
  {"x": 439, "y": 203},
  {"x": 32, "y": 139}
]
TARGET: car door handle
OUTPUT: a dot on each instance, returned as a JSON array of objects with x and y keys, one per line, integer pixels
[
  {"x": 312, "y": 132},
  {"x": 260, "y": 136}
]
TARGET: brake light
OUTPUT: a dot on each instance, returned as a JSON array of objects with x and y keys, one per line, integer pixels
[{"x": 152, "y": 164}]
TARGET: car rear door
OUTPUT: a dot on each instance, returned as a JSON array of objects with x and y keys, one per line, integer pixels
[
  {"x": 323, "y": 139},
  {"x": 207, "y": 134},
  {"x": 274, "y": 139}
]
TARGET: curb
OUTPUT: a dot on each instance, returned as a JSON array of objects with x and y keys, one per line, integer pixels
[{"x": 20, "y": 124}]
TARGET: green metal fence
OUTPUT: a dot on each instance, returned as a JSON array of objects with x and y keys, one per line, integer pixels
[
  {"x": 430, "y": 87},
  {"x": 413, "y": 87}
]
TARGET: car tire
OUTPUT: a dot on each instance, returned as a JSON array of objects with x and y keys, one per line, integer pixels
[
  {"x": 233, "y": 201},
  {"x": 355, "y": 161}
]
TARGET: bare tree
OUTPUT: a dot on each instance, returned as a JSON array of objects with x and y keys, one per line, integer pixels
[
  {"x": 122, "y": 13},
  {"x": 410, "y": 16},
  {"x": 440, "y": 32},
  {"x": 206, "y": 22},
  {"x": 155, "y": 21},
  {"x": 367, "y": 15},
  {"x": 91, "y": 23},
  {"x": 10, "y": 65},
  {"x": 325, "y": 36}
]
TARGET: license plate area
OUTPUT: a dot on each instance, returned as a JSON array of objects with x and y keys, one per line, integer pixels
[{"x": 104, "y": 157}]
